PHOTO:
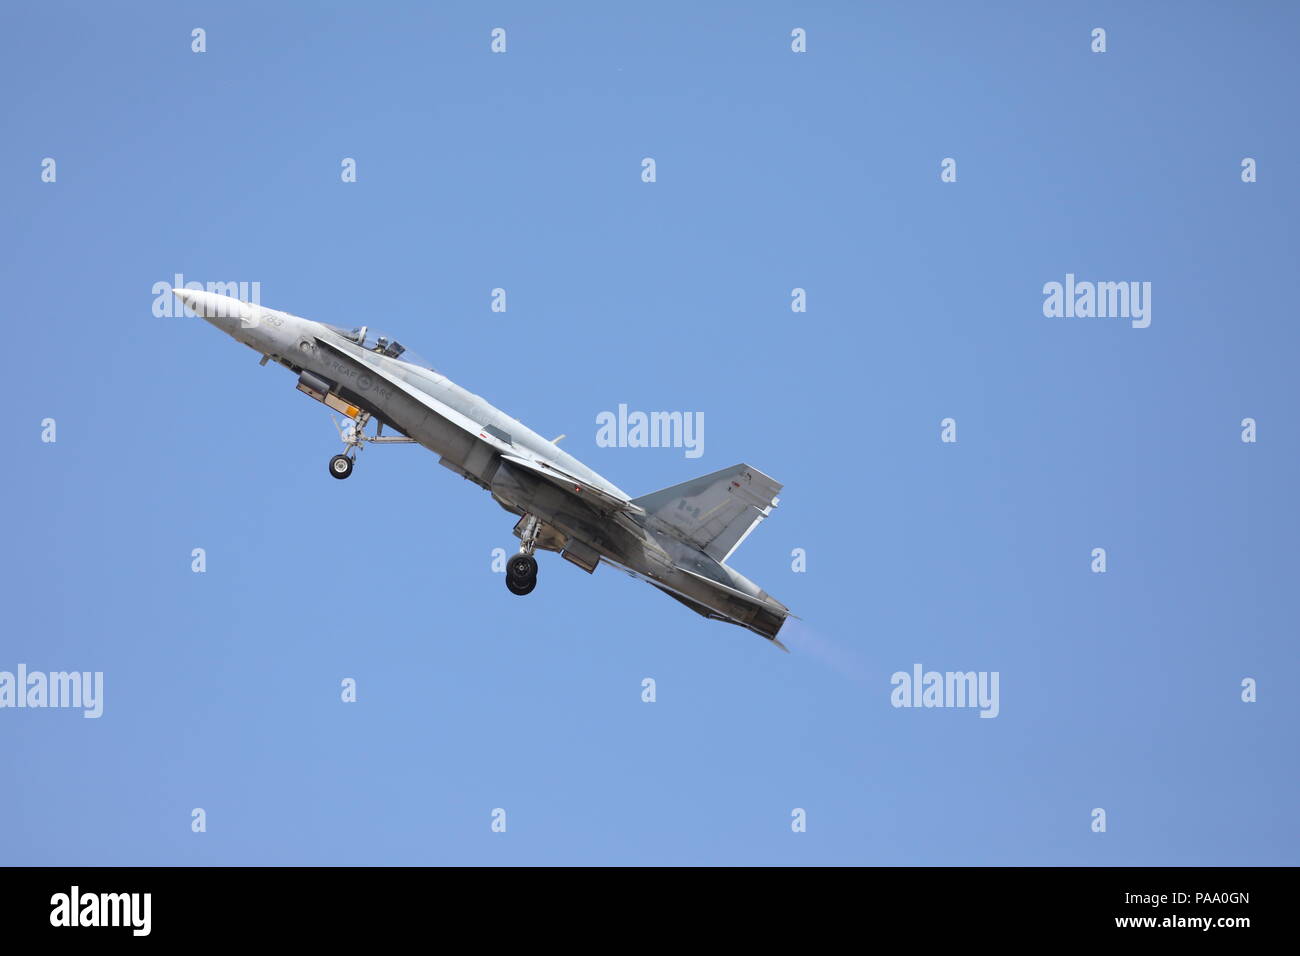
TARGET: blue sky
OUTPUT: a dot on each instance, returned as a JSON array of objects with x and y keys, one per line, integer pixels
[{"x": 775, "y": 170}]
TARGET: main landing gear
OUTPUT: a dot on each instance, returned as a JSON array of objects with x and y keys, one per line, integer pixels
[
  {"x": 521, "y": 570},
  {"x": 354, "y": 439}
]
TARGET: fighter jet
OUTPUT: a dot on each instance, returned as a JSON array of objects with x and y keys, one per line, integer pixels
[{"x": 678, "y": 539}]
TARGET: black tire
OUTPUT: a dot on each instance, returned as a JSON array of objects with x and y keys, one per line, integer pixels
[
  {"x": 340, "y": 466},
  {"x": 521, "y": 587},
  {"x": 522, "y": 567}
]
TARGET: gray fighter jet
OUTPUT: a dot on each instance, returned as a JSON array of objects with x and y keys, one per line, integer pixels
[{"x": 677, "y": 539}]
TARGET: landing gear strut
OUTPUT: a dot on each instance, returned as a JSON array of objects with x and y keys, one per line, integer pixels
[
  {"x": 521, "y": 570},
  {"x": 354, "y": 439}
]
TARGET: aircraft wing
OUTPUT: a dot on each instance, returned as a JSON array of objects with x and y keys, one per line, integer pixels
[
  {"x": 575, "y": 486},
  {"x": 538, "y": 466},
  {"x": 424, "y": 398}
]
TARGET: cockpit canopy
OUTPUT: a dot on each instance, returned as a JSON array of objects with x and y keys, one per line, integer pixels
[{"x": 381, "y": 343}]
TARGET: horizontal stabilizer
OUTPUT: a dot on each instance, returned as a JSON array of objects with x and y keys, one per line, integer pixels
[{"x": 713, "y": 615}]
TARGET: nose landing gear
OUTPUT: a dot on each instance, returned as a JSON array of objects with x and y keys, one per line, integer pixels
[
  {"x": 355, "y": 438},
  {"x": 353, "y": 435},
  {"x": 340, "y": 466}
]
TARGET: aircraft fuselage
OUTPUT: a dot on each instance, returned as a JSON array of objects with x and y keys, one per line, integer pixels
[{"x": 483, "y": 444}]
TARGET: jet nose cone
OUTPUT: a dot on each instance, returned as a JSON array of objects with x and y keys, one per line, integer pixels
[
  {"x": 190, "y": 298},
  {"x": 210, "y": 305}
]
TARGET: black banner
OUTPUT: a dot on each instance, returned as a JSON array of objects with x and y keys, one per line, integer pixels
[{"x": 235, "y": 904}]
